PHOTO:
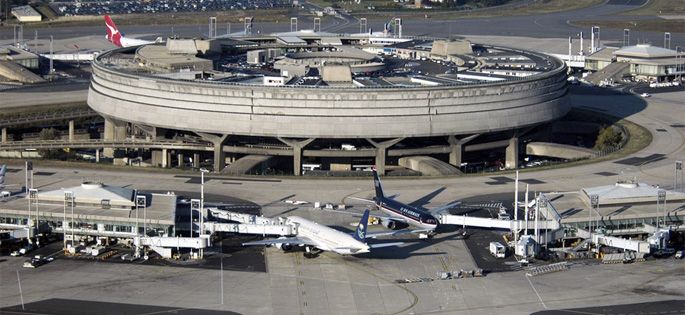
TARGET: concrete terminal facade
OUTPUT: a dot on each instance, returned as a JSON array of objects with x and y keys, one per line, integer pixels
[{"x": 217, "y": 110}]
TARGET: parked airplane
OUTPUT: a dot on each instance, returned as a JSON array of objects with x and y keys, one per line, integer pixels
[
  {"x": 398, "y": 212},
  {"x": 3, "y": 173},
  {"x": 117, "y": 38},
  {"x": 313, "y": 235}
]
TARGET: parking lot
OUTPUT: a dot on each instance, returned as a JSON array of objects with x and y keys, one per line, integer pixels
[{"x": 127, "y": 6}]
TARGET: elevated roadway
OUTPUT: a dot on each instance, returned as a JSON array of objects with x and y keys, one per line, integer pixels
[
  {"x": 95, "y": 143},
  {"x": 32, "y": 118}
]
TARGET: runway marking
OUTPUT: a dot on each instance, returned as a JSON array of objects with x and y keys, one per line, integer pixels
[{"x": 536, "y": 292}]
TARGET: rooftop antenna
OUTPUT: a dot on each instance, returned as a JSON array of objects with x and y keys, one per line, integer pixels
[
  {"x": 626, "y": 37},
  {"x": 317, "y": 24},
  {"x": 667, "y": 40},
  {"x": 582, "y": 51},
  {"x": 516, "y": 206},
  {"x": 212, "y": 27},
  {"x": 248, "y": 25},
  {"x": 293, "y": 24}
]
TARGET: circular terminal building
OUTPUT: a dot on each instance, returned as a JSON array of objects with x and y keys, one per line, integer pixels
[{"x": 332, "y": 102}]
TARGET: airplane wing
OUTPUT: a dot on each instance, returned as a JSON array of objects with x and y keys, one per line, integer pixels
[
  {"x": 396, "y": 233},
  {"x": 354, "y": 214},
  {"x": 385, "y": 244},
  {"x": 362, "y": 199},
  {"x": 389, "y": 217},
  {"x": 288, "y": 240},
  {"x": 438, "y": 210},
  {"x": 382, "y": 217}
]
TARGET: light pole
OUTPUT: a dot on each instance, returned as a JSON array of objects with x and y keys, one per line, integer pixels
[
  {"x": 52, "y": 57},
  {"x": 594, "y": 203},
  {"x": 202, "y": 205},
  {"x": 141, "y": 201},
  {"x": 33, "y": 195},
  {"x": 67, "y": 198},
  {"x": 72, "y": 219},
  {"x": 678, "y": 172},
  {"x": 661, "y": 206}
]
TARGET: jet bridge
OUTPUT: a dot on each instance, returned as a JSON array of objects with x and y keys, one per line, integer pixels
[
  {"x": 551, "y": 219},
  {"x": 497, "y": 223},
  {"x": 632, "y": 245},
  {"x": 248, "y": 224}
]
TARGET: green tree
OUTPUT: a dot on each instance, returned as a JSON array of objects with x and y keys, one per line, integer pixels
[
  {"x": 608, "y": 137},
  {"x": 47, "y": 134}
]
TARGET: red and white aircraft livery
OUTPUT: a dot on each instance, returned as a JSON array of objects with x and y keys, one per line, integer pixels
[{"x": 115, "y": 37}]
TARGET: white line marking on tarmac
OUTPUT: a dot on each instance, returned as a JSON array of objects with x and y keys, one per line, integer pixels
[{"x": 536, "y": 292}]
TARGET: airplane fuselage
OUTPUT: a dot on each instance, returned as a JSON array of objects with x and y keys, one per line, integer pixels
[
  {"x": 328, "y": 239},
  {"x": 413, "y": 216}
]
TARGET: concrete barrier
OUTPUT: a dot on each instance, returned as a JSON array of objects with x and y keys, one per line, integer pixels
[
  {"x": 427, "y": 165},
  {"x": 556, "y": 150}
]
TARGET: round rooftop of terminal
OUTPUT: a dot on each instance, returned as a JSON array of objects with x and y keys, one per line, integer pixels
[
  {"x": 274, "y": 94},
  {"x": 306, "y": 84}
]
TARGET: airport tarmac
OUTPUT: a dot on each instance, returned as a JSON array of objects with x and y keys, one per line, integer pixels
[{"x": 332, "y": 284}]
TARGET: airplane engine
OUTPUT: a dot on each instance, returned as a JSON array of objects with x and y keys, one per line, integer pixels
[
  {"x": 390, "y": 224},
  {"x": 284, "y": 246}
]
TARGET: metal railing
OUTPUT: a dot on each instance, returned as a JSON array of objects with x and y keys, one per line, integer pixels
[
  {"x": 96, "y": 143},
  {"x": 100, "y": 62}
]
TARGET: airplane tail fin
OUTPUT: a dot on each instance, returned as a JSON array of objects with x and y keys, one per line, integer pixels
[
  {"x": 377, "y": 185},
  {"x": 113, "y": 34},
  {"x": 3, "y": 171},
  {"x": 360, "y": 233}
]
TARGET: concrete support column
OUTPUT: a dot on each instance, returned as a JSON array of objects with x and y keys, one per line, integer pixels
[
  {"x": 97, "y": 155},
  {"x": 4, "y": 134},
  {"x": 512, "y": 154},
  {"x": 108, "y": 135},
  {"x": 297, "y": 146},
  {"x": 180, "y": 159},
  {"x": 165, "y": 158},
  {"x": 71, "y": 130},
  {"x": 381, "y": 152},
  {"x": 114, "y": 130},
  {"x": 196, "y": 160},
  {"x": 156, "y": 158},
  {"x": 120, "y": 132},
  {"x": 457, "y": 148},
  {"x": 219, "y": 155}
]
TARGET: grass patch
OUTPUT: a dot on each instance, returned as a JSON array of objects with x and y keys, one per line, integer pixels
[
  {"x": 638, "y": 139},
  {"x": 660, "y": 7},
  {"x": 651, "y": 25}
]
